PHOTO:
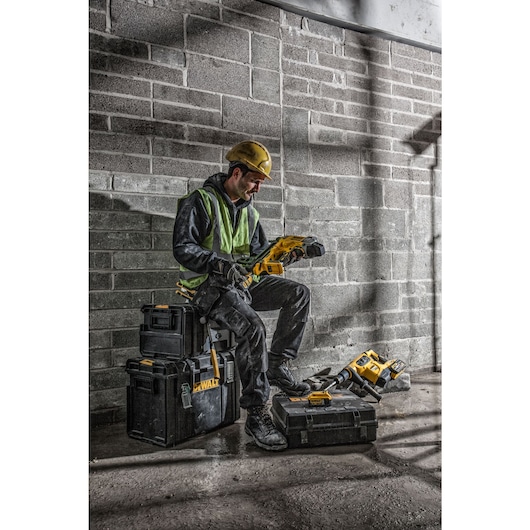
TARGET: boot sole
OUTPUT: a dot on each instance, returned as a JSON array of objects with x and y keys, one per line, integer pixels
[{"x": 265, "y": 446}]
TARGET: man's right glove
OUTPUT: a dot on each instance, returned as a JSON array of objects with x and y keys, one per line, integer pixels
[{"x": 233, "y": 272}]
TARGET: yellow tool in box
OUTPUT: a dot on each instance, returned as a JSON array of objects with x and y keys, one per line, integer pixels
[{"x": 315, "y": 399}]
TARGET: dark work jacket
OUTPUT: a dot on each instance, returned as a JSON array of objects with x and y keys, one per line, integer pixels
[{"x": 193, "y": 224}]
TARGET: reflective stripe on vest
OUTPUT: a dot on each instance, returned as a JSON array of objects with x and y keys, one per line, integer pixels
[{"x": 223, "y": 239}]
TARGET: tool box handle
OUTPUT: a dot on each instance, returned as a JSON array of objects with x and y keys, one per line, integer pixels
[{"x": 145, "y": 384}]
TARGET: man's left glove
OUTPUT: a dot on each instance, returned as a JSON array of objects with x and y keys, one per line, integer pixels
[{"x": 234, "y": 273}]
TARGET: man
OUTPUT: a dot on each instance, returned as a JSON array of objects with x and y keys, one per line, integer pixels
[{"x": 214, "y": 227}]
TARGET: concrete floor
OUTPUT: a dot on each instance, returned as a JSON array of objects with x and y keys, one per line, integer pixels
[{"x": 222, "y": 480}]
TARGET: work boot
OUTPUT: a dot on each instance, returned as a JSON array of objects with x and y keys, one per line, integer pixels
[
  {"x": 279, "y": 375},
  {"x": 259, "y": 425}
]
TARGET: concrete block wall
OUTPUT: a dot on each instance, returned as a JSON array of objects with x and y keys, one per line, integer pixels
[{"x": 353, "y": 124}]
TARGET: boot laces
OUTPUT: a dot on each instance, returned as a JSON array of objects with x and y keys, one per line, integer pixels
[{"x": 265, "y": 418}]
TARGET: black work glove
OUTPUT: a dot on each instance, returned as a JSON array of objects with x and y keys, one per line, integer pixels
[
  {"x": 233, "y": 272},
  {"x": 294, "y": 256}
]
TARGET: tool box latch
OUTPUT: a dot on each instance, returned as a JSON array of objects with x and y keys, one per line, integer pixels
[{"x": 186, "y": 396}]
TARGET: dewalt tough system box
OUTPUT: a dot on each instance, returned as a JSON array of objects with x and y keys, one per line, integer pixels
[
  {"x": 171, "y": 401},
  {"x": 176, "y": 331},
  {"x": 341, "y": 418}
]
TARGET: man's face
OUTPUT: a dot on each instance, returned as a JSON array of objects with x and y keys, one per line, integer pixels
[{"x": 243, "y": 186}]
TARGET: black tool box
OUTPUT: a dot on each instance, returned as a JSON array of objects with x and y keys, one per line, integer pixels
[
  {"x": 345, "y": 419},
  {"x": 171, "y": 401},
  {"x": 175, "y": 331}
]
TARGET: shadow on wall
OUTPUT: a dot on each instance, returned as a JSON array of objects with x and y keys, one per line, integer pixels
[
  {"x": 427, "y": 135},
  {"x": 127, "y": 236}
]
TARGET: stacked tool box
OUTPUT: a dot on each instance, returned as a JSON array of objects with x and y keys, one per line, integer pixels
[{"x": 185, "y": 383}]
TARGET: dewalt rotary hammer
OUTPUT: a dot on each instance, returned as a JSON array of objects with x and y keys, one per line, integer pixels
[{"x": 368, "y": 369}]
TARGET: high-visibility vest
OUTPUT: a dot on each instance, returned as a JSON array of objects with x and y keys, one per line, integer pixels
[{"x": 225, "y": 240}]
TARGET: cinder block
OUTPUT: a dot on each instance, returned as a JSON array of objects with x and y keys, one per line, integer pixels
[
  {"x": 265, "y": 52},
  {"x": 98, "y": 122},
  {"x": 118, "y": 162},
  {"x": 147, "y": 127},
  {"x": 226, "y": 76},
  {"x": 144, "y": 70},
  {"x": 209, "y": 37},
  {"x": 144, "y": 260},
  {"x": 118, "y": 46},
  {"x": 108, "y": 378},
  {"x": 146, "y": 184},
  {"x": 341, "y": 299},
  {"x": 145, "y": 280},
  {"x": 168, "y": 56},
  {"x": 99, "y": 181},
  {"x": 99, "y": 260},
  {"x": 97, "y": 21},
  {"x": 125, "y": 221},
  {"x": 179, "y": 113},
  {"x": 119, "y": 143},
  {"x": 164, "y": 241},
  {"x": 368, "y": 266},
  {"x": 99, "y": 340},
  {"x": 114, "y": 319},
  {"x": 125, "y": 338},
  {"x": 99, "y": 280},
  {"x": 119, "y": 240},
  {"x": 310, "y": 197},
  {"x": 113, "y": 84},
  {"x": 186, "y": 96},
  {"x": 251, "y": 117},
  {"x": 398, "y": 195},
  {"x": 361, "y": 192},
  {"x": 337, "y": 160},
  {"x": 149, "y": 204},
  {"x": 143, "y": 23},
  {"x": 295, "y": 37},
  {"x": 412, "y": 266},
  {"x": 379, "y": 297},
  {"x": 98, "y": 359},
  {"x": 118, "y": 299},
  {"x": 266, "y": 85},
  {"x": 380, "y": 223}
]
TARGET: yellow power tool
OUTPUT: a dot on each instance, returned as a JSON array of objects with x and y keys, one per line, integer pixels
[
  {"x": 282, "y": 252},
  {"x": 368, "y": 369}
]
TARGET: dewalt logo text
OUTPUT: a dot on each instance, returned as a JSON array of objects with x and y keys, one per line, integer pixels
[{"x": 205, "y": 385}]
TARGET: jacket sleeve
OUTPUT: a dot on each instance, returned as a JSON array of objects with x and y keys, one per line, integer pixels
[
  {"x": 192, "y": 226},
  {"x": 259, "y": 241}
]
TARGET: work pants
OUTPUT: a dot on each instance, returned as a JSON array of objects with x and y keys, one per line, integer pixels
[{"x": 232, "y": 311}]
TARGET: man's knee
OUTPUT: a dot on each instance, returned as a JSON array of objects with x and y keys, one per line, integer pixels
[
  {"x": 303, "y": 293},
  {"x": 300, "y": 297}
]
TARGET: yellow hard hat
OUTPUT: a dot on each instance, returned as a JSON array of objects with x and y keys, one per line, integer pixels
[{"x": 253, "y": 154}]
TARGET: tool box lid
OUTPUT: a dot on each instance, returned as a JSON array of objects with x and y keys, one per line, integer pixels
[
  {"x": 153, "y": 367},
  {"x": 343, "y": 409}
]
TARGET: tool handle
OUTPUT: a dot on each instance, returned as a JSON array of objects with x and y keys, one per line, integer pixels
[
  {"x": 356, "y": 378},
  {"x": 372, "y": 391},
  {"x": 215, "y": 364}
]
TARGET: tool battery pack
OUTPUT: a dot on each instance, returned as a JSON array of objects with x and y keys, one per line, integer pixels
[
  {"x": 171, "y": 401},
  {"x": 345, "y": 419},
  {"x": 175, "y": 331}
]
